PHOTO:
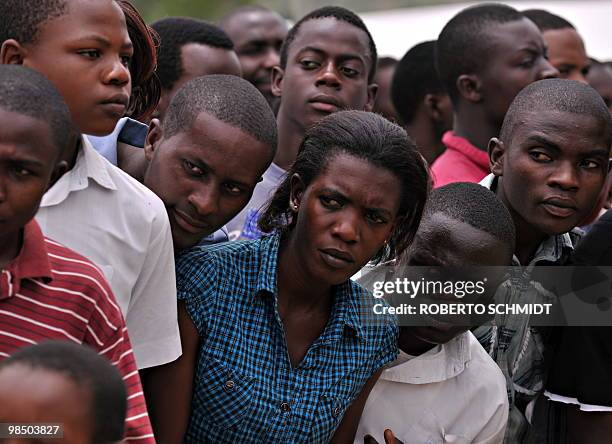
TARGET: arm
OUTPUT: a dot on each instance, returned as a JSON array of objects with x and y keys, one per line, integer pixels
[
  {"x": 169, "y": 387},
  {"x": 348, "y": 427}
]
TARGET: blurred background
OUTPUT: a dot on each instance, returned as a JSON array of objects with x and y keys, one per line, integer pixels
[{"x": 399, "y": 24}]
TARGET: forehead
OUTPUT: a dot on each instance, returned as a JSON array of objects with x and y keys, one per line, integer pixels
[
  {"x": 571, "y": 133},
  {"x": 506, "y": 38},
  {"x": 24, "y": 136},
  {"x": 335, "y": 37},
  {"x": 257, "y": 25},
  {"x": 200, "y": 60},
  {"x": 87, "y": 16},
  {"x": 361, "y": 181},
  {"x": 564, "y": 40},
  {"x": 458, "y": 243}
]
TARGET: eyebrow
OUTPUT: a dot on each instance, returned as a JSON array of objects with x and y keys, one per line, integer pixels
[
  {"x": 544, "y": 141},
  {"x": 337, "y": 194},
  {"x": 346, "y": 56},
  {"x": 105, "y": 43},
  {"x": 27, "y": 161}
]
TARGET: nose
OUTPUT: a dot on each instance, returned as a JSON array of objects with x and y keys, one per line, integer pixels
[
  {"x": 565, "y": 177},
  {"x": 547, "y": 70},
  {"x": 272, "y": 58},
  {"x": 117, "y": 73},
  {"x": 328, "y": 76},
  {"x": 347, "y": 227},
  {"x": 205, "y": 201}
]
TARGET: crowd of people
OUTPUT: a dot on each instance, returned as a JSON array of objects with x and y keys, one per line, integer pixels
[{"x": 184, "y": 207}]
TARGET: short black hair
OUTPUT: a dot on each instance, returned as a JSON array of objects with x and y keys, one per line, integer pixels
[
  {"x": 25, "y": 91},
  {"x": 562, "y": 95},
  {"x": 226, "y": 19},
  {"x": 474, "y": 205},
  {"x": 230, "y": 99},
  {"x": 415, "y": 76},
  {"x": 340, "y": 14},
  {"x": 463, "y": 46},
  {"x": 21, "y": 20},
  {"x": 370, "y": 137},
  {"x": 176, "y": 32},
  {"x": 87, "y": 369},
  {"x": 545, "y": 20}
]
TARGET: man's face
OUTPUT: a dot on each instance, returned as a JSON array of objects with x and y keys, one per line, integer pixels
[
  {"x": 327, "y": 70},
  {"x": 516, "y": 59},
  {"x": 38, "y": 396},
  {"x": 199, "y": 60},
  {"x": 442, "y": 241},
  {"x": 27, "y": 159},
  {"x": 553, "y": 169},
  {"x": 257, "y": 37},
  {"x": 86, "y": 54},
  {"x": 600, "y": 78},
  {"x": 204, "y": 175},
  {"x": 566, "y": 53},
  {"x": 383, "y": 104}
]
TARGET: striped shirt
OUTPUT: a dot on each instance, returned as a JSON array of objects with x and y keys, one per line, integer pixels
[
  {"x": 50, "y": 292},
  {"x": 246, "y": 389}
]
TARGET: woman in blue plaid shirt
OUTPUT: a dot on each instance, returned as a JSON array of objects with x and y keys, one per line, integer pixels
[{"x": 279, "y": 345}]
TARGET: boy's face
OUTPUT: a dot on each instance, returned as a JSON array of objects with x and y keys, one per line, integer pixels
[
  {"x": 199, "y": 60},
  {"x": 27, "y": 159},
  {"x": 204, "y": 175},
  {"x": 600, "y": 78},
  {"x": 327, "y": 71},
  {"x": 516, "y": 59},
  {"x": 40, "y": 396},
  {"x": 86, "y": 54},
  {"x": 442, "y": 241},
  {"x": 258, "y": 36},
  {"x": 553, "y": 168},
  {"x": 566, "y": 53}
]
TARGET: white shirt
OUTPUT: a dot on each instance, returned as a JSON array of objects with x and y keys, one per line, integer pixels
[
  {"x": 453, "y": 393},
  {"x": 107, "y": 216}
]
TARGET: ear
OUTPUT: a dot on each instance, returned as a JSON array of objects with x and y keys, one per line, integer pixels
[
  {"x": 155, "y": 134},
  {"x": 297, "y": 192},
  {"x": 60, "y": 169},
  {"x": 432, "y": 107},
  {"x": 278, "y": 74},
  {"x": 12, "y": 52},
  {"x": 372, "y": 92},
  {"x": 497, "y": 150},
  {"x": 470, "y": 87}
]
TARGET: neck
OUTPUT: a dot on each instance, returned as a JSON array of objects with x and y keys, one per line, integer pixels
[
  {"x": 528, "y": 238},
  {"x": 70, "y": 154},
  {"x": 476, "y": 127},
  {"x": 10, "y": 244},
  {"x": 290, "y": 137},
  {"x": 422, "y": 130},
  {"x": 412, "y": 345},
  {"x": 296, "y": 289}
]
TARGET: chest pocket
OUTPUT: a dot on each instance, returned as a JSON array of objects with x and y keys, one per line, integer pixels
[{"x": 225, "y": 394}]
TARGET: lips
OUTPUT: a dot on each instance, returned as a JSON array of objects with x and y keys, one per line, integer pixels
[
  {"x": 189, "y": 224},
  {"x": 336, "y": 258},
  {"x": 559, "y": 206},
  {"x": 117, "y": 104},
  {"x": 325, "y": 103}
]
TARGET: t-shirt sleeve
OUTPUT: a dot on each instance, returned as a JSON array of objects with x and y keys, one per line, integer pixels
[
  {"x": 107, "y": 334},
  {"x": 152, "y": 315}
]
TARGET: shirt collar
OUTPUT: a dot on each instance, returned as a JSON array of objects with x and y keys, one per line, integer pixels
[
  {"x": 461, "y": 144},
  {"x": 552, "y": 249},
  {"x": 346, "y": 295},
  {"x": 89, "y": 164},
  {"x": 32, "y": 261},
  {"x": 437, "y": 365}
]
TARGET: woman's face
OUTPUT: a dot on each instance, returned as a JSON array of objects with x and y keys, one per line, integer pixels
[{"x": 344, "y": 217}]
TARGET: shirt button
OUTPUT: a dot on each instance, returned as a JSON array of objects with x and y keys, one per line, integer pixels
[
  {"x": 229, "y": 384},
  {"x": 336, "y": 411},
  {"x": 285, "y": 407}
]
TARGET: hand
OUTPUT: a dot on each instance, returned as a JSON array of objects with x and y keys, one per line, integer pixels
[{"x": 389, "y": 438}]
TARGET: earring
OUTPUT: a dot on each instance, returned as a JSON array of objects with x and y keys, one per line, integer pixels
[{"x": 294, "y": 206}]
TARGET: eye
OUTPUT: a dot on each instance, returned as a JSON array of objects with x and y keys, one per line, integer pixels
[
  {"x": 91, "y": 53},
  {"x": 192, "y": 168},
  {"x": 349, "y": 72},
  {"x": 375, "y": 218},
  {"x": 585, "y": 71},
  {"x": 527, "y": 62},
  {"x": 330, "y": 203},
  {"x": 540, "y": 156},
  {"x": 589, "y": 164},
  {"x": 21, "y": 172},
  {"x": 126, "y": 60},
  {"x": 233, "y": 189},
  {"x": 309, "y": 64}
]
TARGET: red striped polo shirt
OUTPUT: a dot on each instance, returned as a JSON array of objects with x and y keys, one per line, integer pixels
[{"x": 50, "y": 292}]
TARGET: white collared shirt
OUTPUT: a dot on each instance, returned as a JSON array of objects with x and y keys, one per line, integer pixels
[
  {"x": 453, "y": 393},
  {"x": 107, "y": 216}
]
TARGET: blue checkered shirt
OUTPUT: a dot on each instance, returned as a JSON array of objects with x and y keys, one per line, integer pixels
[{"x": 246, "y": 390}]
